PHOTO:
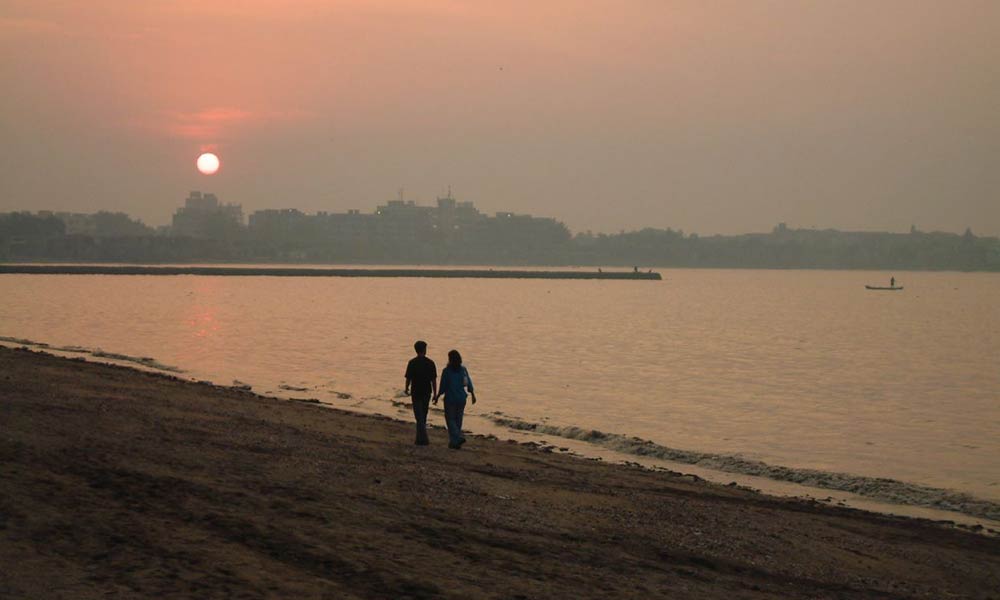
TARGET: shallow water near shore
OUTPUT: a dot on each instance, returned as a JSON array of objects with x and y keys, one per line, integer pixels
[{"x": 804, "y": 372}]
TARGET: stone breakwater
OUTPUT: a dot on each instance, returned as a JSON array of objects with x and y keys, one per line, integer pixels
[
  {"x": 877, "y": 488},
  {"x": 323, "y": 272}
]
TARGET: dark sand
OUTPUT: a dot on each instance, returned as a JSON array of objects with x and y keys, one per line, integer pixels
[{"x": 117, "y": 483}]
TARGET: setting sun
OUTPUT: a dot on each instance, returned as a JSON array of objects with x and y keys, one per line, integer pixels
[{"x": 208, "y": 163}]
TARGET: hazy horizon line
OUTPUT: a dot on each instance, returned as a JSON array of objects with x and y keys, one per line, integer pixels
[{"x": 790, "y": 226}]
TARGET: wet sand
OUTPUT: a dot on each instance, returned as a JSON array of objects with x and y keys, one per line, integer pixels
[{"x": 120, "y": 483}]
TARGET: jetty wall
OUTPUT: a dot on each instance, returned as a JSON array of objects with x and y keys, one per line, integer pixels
[{"x": 266, "y": 271}]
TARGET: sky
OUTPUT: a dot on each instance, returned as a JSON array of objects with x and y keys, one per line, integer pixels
[{"x": 707, "y": 116}]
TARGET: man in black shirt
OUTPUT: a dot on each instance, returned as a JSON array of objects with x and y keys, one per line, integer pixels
[{"x": 421, "y": 384}]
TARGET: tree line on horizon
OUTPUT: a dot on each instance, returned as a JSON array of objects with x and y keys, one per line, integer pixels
[{"x": 115, "y": 237}]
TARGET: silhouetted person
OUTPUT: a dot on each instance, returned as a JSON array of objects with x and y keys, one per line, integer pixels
[
  {"x": 421, "y": 384},
  {"x": 454, "y": 381},
  {"x": 892, "y": 282}
]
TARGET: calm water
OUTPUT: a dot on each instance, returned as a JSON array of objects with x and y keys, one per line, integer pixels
[{"x": 804, "y": 369}]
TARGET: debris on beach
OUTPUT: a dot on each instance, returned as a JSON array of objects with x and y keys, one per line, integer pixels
[{"x": 292, "y": 388}]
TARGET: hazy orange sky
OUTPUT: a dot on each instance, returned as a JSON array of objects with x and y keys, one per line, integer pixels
[{"x": 706, "y": 116}]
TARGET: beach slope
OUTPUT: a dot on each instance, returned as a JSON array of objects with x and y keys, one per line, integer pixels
[{"x": 118, "y": 483}]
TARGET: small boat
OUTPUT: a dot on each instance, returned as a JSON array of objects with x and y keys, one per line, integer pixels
[{"x": 886, "y": 289}]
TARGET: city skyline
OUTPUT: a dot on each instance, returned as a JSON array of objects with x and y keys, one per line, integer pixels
[
  {"x": 457, "y": 232},
  {"x": 401, "y": 199}
]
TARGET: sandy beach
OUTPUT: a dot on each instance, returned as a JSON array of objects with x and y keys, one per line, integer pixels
[{"x": 125, "y": 484}]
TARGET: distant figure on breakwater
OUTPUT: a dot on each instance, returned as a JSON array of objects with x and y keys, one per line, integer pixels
[
  {"x": 455, "y": 381},
  {"x": 421, "y": 384},
  {"x": 892, "y": 282}
]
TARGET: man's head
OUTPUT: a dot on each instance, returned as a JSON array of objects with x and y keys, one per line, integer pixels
[{"x": 420, "y": 347}]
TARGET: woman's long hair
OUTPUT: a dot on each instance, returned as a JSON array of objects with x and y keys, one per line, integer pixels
[{"x": 454, "y": 359}]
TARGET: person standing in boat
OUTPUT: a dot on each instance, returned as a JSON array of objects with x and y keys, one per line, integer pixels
[
  {"x": 892, "y": 281},
  {"x": 421, "y": 384},
  {"x": 455, "y": 381}
]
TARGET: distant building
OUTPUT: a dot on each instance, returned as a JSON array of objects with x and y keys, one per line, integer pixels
[
  {"x": 399, "y": 221},
  {"x": 456, "y": 219},
  {"x": 76, "y": 223},
  {"x": 399, "y": 229},
  {"x": 202, "y": 216},
  {"x": 100, "y": 224},
  {"x": 277, "y": 224}
]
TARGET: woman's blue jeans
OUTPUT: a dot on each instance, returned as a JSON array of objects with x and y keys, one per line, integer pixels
[{"x": 453, "y": 413}]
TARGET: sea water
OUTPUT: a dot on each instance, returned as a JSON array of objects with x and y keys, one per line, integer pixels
[{"x": 786, "y": 376}]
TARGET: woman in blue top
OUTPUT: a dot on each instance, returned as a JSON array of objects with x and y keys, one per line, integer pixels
[{"x": 454, "y": 381}]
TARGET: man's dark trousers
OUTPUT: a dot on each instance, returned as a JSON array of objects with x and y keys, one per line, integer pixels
[{"x": 421, "y": 404}]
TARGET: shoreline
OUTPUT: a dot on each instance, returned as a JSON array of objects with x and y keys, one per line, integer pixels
[
  {"x": 128, "y": 482},
  {"x": 865, "y": 492}
]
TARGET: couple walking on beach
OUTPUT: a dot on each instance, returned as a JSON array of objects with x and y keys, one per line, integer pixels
[{"x": 421, "y": 384}]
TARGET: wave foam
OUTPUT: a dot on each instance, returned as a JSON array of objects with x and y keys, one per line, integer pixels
[
  {"x": 144, "y": 361},
  {"x": 878, "y": 488}
]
